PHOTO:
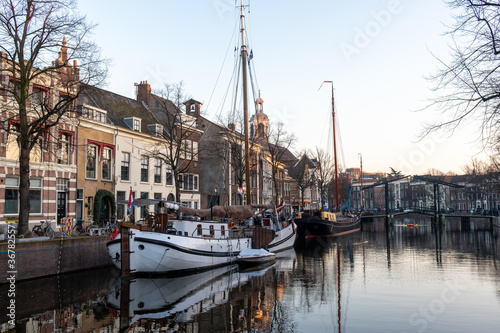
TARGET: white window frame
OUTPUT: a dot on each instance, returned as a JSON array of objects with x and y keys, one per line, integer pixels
[
  {"x": 157, "y": 170},
  {"x": 95, "y": 161},
  {"x": 109, "y": 158}
]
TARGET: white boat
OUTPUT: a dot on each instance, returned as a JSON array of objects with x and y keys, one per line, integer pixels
[
  {"x": 188, "y": 245},
  {"x": 253, "y": 257}
]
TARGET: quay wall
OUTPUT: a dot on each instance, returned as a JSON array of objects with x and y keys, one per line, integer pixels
[
  {"x": 37, "y": 258},
  {"x": 38, "y": 296}
]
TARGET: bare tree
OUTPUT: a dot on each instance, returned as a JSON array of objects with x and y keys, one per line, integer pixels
[
  {"x": 32, "y": 33},
  {"x": 324, "y": 172},
  {"x": 179, "y": 131},
  {"x": 476, "y": 174},
  {"x": 277, "y": 143},
  {"x": 468, "y": 85}
]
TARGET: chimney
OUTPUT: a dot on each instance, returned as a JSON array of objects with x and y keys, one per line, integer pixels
[
  {"x": 232, "y": 127},
  {"x": 143, "y": 92}
]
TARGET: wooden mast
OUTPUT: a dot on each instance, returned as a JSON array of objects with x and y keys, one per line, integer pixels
[
  {"x": 245, "y": 104},
  {"x": 337, "y": 204}
]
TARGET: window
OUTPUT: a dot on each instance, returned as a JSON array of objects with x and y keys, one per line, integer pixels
[
  {"x": 125, "y": 170},
  {"x": 12, "y": 144},
  {"x": 120, "y": 205},
  {"x": 157, "y": 171},
  {"x": 199, "y": 231},
  {"x": 212, "y": 230},
  {"x": 106, "y": 164},
  {"x": 62, "y": 185},
  {"x": 79, "y": 204},
  {"x": 169, "y": 176},
  {"x": 100, "y": 116},
  {"x": 39, "y": 96},
  {"x": 63, "y": 149},
  {"x": 12, "y": 195},
  {"x": 137, "y": 125},
  {"x": 222, "y": 231},
  {"x": 189, "y": 182},
  {"x": 144, "y": 168},
  {"x": 91, "y": 162}
]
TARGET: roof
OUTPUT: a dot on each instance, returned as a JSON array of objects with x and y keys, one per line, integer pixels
[
  {"x": 118, "y": 107},
  {"x": 158, "y": 105}
]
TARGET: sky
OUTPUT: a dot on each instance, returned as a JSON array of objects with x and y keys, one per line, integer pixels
[{"x": 377, "y": 53}]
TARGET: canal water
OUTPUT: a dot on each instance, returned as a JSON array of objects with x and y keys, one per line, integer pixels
[{"x": 407, "y": 276}]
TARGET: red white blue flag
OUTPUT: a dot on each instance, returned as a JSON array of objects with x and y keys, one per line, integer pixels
[{"x": 130, "y": 206}]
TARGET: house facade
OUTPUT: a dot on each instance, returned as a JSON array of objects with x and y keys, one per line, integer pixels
[{"x": 53, "y": 161}]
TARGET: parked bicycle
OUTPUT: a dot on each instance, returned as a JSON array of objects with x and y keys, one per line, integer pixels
[
  {"x": 44, "y": 229},
  {"x": 79, "y": 229}
]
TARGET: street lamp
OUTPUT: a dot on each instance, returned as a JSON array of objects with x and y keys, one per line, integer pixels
[{"x": 216, "y": 190}]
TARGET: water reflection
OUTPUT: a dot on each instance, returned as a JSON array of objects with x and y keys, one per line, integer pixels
[{"x": 406, "y": 275}]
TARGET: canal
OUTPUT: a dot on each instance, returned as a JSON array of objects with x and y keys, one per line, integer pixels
[{"x": 412, "y": 276}]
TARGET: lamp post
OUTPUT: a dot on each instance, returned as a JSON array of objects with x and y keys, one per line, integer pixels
[{"x": 213, "y": 202}]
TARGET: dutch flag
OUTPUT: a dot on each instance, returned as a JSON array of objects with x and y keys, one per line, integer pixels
[{"x": 130, "y": 206}]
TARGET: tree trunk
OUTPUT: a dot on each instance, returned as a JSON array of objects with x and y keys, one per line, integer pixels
[
  {"x": 24, "y": 187},
  {"x": 177, "y": 188}
]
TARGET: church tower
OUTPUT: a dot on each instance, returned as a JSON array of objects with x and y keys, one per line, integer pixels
[{"x": 259, "y": 123}]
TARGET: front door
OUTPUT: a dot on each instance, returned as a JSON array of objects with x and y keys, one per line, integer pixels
[
  {"x": 104, "y": 211},
  {"x": 61, "y": 206}
]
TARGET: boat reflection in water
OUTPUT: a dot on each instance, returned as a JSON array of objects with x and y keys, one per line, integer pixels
[{"x": 229, "y": 295}]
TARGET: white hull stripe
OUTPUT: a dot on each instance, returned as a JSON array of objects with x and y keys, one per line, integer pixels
[{"x": 186, "y": 249}]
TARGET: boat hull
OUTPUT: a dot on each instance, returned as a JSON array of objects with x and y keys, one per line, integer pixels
[
  {"x": 313, "y": 226},
  {"x": 254, "y": 261},
  {"x": 161, "y": 253},
  {"x": 153, "y": 252},
  {"x": 284, "y": 239}
]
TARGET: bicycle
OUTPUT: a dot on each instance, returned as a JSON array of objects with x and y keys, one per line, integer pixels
[
  {"x": 79, "y": 229},
  {"x": 44, "y": 229}
]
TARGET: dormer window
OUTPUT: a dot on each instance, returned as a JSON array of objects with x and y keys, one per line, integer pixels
[
  {"x": 156, "y": 129},
  {"x": 94, "y": 114},
  {"x": 133, "y": 123}
]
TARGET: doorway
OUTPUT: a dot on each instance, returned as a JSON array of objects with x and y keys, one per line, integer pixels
[{"x": 61, "y": 206}]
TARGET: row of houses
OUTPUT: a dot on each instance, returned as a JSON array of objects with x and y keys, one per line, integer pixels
[
  {"x": 107, "y": 148},
  {"x": 453, "y": 193}
]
